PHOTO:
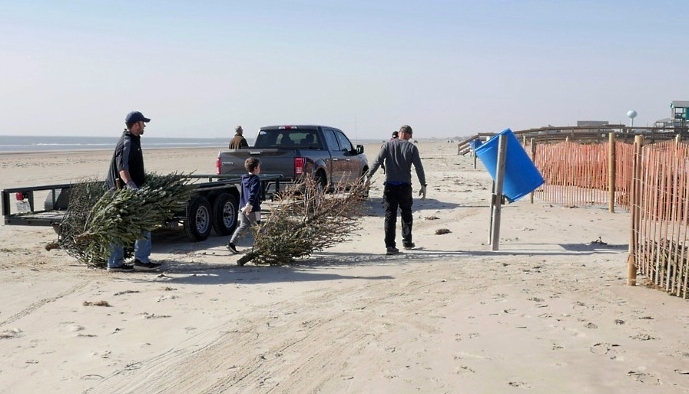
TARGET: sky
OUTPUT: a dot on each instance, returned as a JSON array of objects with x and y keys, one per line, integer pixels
[{"x": 447, "y": 68}]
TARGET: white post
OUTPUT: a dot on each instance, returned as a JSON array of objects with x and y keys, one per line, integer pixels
[{"x": 497, "y": 192}]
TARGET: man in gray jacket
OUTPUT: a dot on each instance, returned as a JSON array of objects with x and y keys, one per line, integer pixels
[{"x": 398, "y": 155}]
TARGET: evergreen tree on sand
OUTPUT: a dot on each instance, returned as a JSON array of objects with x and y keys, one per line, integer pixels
[
  {"x": 96, "y": 216},
  {"x": 304, "y": 220}
]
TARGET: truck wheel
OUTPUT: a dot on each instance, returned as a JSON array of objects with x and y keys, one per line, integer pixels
[
  {"x": 198, "y": 222},
  {"x": 225, "y": 208},
  {"x": 321, "y": 182}
]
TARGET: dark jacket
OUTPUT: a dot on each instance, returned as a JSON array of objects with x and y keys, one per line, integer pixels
[
  {"x": 127, "y": 156},
  {"x": 251, "y": 192},
  {"x": 238, "y": 142}
]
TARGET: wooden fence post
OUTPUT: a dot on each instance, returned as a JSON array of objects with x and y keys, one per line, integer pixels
[
  {"x": 533, "y": 159},
  {"x": 636, "y": 210},
  {"x": 611, "y": 172}
]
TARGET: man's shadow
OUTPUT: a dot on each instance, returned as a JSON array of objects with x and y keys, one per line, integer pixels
[{"x": 376, "y": 207}]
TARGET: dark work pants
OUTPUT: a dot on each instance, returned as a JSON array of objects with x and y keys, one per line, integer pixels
[{"x": 396, "y": 197}]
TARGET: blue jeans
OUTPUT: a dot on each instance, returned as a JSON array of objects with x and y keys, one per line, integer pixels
[{"x": 142, "y": 251}]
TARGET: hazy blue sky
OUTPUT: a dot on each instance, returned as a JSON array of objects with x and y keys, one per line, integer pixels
[{"x": 447, "y": 68}]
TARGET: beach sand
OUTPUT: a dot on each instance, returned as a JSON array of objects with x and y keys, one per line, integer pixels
[{"x": 549, "y": 312}]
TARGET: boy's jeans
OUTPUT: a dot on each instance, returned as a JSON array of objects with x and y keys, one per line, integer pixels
[
  {"x": 142, "y": 251},
  {"x": 245, "y": 221}
]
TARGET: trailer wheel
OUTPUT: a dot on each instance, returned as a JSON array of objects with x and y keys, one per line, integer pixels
[
  {"x": 198, "y": 222},
  {"x": 225, "y": 208}
]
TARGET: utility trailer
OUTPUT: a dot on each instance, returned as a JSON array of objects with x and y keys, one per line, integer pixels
[{"x": 213, "y": 206}]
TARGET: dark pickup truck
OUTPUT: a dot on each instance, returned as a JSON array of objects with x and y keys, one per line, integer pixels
[{"x": 295, "y": 151}]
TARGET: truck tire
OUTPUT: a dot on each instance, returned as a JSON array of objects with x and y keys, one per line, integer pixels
[
  {"x": 225, "y": 209},
  {"x": 321, "y": 182},
  {"x": 197, "y": 224}
]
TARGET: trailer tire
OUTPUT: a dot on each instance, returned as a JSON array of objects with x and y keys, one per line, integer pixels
[
  {"x": 225, "y": 209},
  {"x": 197, "y": 224}
]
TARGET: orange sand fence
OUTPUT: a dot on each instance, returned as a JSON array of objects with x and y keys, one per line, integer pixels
[
  {"x": 659, "y": 235},
  {"x": 579, "y": 174}
]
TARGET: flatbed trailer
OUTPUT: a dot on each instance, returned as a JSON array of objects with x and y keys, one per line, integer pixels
[{"x": 213, "y": 206}]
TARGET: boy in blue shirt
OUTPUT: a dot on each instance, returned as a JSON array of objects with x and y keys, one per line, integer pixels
[{"x": 249, "y": 202}]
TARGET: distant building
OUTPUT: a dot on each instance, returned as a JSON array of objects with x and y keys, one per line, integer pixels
[
  {"x": 680, "y": 109},
  {"x": 680, "y": 114},
  {"x": 594, "y": 123},
  {"x": 665, "y": 123}
]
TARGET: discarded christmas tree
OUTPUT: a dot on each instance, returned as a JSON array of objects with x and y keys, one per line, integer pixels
[
  {"x": 304, "y": 220},
  {"x": 96, "y": 217}
]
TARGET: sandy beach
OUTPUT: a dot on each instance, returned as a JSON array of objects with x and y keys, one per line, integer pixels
[{"x": 549, "y": 312}]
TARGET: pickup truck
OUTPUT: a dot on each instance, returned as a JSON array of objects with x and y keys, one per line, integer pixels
[
  {"x": 296, "y": 151},
  {"x": 213, "y": 206}
]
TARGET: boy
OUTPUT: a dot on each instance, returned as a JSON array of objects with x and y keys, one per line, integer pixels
[{"x": 249, "y": 202}]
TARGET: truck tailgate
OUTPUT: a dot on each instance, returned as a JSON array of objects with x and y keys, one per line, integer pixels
[{"x": 273, "y": 161}]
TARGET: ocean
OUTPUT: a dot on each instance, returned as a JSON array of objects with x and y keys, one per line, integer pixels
[{"x": 12, "y": 144}]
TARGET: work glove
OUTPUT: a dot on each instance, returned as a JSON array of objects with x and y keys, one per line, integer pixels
[
  {"x": 132, "y": 186},
  {"x": 247, "y": 209},
  {"x": 422, "y": 192}
]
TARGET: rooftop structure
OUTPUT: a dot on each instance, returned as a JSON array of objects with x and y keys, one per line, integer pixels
[{"x": 680, "y": 113}]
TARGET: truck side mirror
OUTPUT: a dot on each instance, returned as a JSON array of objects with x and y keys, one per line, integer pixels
[{"x": 359, "y": 149}]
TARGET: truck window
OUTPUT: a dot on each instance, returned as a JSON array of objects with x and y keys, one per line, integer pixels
[
  {"x": 310, "y": 140},
  {"x": 285, "y": 140},
  {"x": 266, "y": 139},
  {"x": 331, "y": 140},
  {"x": 292, "y": 138},
  {"x": 343, "y": 141}
]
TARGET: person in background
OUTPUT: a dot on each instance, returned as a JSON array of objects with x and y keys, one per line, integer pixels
[
  {"x": 238, "y": 142},
  {"x": 395, "y": 135},
  {"x": 249, "y": 201},
  {"x": 127, "y": 171},
  {"x": 398, "y": 155}
]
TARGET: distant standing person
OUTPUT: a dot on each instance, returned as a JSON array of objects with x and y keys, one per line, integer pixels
[
  {"x": 238, "y": 142},
  {"x": 127, "y": 170},
  {"x": 249, "y": 201},
  {"x": 395, "y": 135},
  {"x": 398, "y": 155}
]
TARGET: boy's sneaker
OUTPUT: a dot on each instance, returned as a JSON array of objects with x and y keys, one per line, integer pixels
[
  {"x": 232, "y": 248},
  {"x": 122, "y": 268},
  {"x": 140, "y": 265},
  {"x": 392, "y": 250},
  {"x": 409, "y": 246}
]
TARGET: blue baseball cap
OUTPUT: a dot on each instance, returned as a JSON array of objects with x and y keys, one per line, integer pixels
[{"x": 135, "y": 116}]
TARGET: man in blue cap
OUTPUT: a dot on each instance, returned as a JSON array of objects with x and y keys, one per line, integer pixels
[{"x": 127, "y": 171}]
